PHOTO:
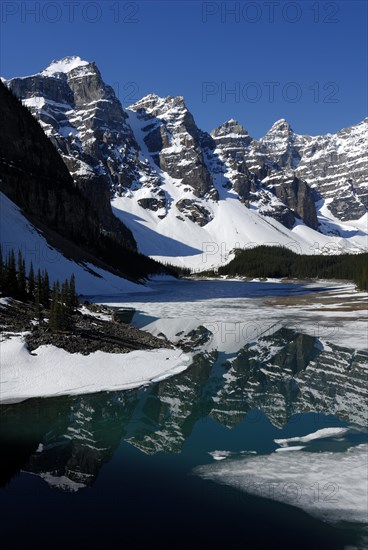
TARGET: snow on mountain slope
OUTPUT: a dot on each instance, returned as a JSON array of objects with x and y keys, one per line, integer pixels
[
  {"x": 183, "y": 191},
  {"x": 18, "y": 233},
  {"x": 65, "y": 65},
  {"x": 184, "y": 242}
]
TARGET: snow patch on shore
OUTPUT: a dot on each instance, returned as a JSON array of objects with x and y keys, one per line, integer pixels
[{"x": 50, "y": 371}]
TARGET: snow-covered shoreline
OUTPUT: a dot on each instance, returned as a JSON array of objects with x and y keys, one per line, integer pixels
[{"x": 50, "y": 371}]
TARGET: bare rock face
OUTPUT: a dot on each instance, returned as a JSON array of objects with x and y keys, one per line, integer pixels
[
  {"x": 193, "y": 211},
  {"x": 231, "y": 141},
  {"x": 278, "y": 147},
  {"x": 152, "y": 203},
  {"x": 173, "y": 140},
  {"x": 336, "y": 166},
  {"x": 297, "y": 195},
  {"x": 333, "y": 166},
  {"x": 33, "y": 175},
  {"x": 85, "y": 121},
  {"x": 258, "y": 170}
]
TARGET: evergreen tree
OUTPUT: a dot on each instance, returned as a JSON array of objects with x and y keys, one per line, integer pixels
[
  {"x": 21, "y": 277},
  {"x": 11, "y": 284},
  {"x": 73, "y": 298},
  {"x": 45, "y": 289},
  {"x": 38, "y": 311},
  {"x": 65, "y": 295},
  {"x": 31, "y": 283},
  {"x": 55, "y": 309},
  {"x": 59, "y": 319},
  {"x": 1, "y": 268},
  {"x": 268, "y": 261},
  {"x": 39, "y": 284}
]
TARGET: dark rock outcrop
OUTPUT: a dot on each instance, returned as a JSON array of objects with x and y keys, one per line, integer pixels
[
  {"x": 298, "y": 196},
  {"x": 193, "y": 211},
  {"x": 34, "y": 176}
]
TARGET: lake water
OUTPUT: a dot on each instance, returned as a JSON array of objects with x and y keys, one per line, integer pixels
[{"x": 192, "y": 461}]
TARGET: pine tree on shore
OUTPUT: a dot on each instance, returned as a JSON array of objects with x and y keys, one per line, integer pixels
[
  {"x": 65, "y": 296},
  {"x": 2, "y": 270},
  {"x": 31, "y": 283},
  {"x": 73, "y": 298},
  {"x": 38, "y": 311},
  {"x": 45, "y": 289},
  {"x": 21, "y": 278},
  {"x": 60, "y": 315},
  {"x": 39, "y": 284},
  {"x": 55, "y": 309},
  {"x": 11, "y": 282}
]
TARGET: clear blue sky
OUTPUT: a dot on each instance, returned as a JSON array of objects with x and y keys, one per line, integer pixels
[{"x": 311, "y": 56}]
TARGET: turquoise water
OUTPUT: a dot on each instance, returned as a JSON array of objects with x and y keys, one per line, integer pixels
[{"x": 121, "y": 467}]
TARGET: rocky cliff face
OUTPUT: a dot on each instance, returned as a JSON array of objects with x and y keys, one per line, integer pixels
[
  {"x": 336, "y": 167},
  {"x": 173, "y": 141},
  {"x": 34, "y": 176},
  {"x": 86, "y": 123},
  {"x": 333, "y": 166},
  {"x": 231, "y": 141},
  {"x": 254, "y": 174}
]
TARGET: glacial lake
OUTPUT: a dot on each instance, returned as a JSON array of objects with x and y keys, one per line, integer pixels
[{"x": 261, "y": 443}]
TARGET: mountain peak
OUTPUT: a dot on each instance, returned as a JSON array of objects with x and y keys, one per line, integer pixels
[
  {"x": 231, "y": 126},
  {"x": 151, "y": 97},
  {"x": 64, "y": 65},
  {"x": 281, "y": 125},
  {"x": 153, "y": 103},
  {"x": 148, "y": 101}
]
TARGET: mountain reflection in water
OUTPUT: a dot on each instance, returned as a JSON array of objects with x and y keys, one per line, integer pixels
[{"x": 66, "y": 440}]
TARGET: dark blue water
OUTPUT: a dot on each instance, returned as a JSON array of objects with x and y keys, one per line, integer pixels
[{"x": 117, "y": 468}]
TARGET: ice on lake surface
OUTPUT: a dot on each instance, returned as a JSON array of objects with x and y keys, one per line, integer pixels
[
  {"x": 330, "y": 485},
  {"x": 237, "y": 312}
]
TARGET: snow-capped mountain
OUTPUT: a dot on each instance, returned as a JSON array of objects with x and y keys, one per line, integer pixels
[
  {"x": 188, "y": 196},
  {"x": 53, "y": 223},
  {"x": 86, "y": 122},
  {"x": 334, "y": 165}
]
